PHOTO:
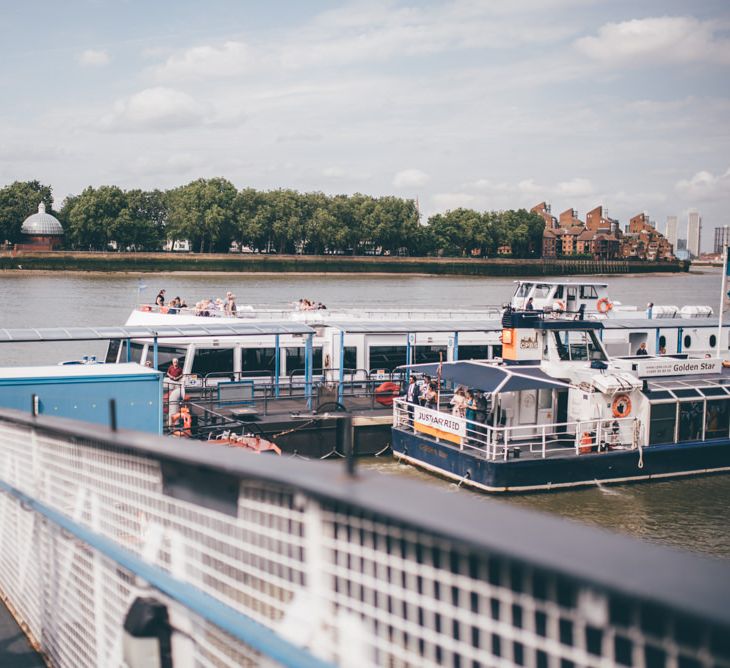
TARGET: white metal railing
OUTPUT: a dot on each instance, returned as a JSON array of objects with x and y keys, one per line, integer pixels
[
  {"x": 281, "y": 562},
  {"x": 501, "y": 442}
]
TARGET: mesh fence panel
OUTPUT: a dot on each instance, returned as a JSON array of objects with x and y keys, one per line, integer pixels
[{"x": 347, "y": 585}]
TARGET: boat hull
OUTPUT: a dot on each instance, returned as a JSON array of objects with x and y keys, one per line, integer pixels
[{"x": 533, "y": 474}]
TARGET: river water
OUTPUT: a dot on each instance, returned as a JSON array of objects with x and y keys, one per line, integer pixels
[{"x": 690, "y": 513}]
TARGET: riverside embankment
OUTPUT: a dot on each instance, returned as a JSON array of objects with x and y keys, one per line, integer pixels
[{"x": 230, "y": 263}]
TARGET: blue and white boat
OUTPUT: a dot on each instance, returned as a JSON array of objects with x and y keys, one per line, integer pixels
[{"x": 559, "y": 412}]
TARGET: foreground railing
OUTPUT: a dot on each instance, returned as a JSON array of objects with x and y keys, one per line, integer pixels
[
  {"x": 280, "y": 562},
  {"x": 484, "y": 440}
]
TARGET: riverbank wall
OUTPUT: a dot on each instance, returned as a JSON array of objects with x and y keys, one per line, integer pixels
[{"x": 230, "y": 263}]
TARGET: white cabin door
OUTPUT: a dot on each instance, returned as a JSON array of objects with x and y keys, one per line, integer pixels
[{"x": 528, "y": 413}]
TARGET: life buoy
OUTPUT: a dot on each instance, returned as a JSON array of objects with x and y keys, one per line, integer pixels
[
  {"x": 560, "y": 306},
  {"x": 184, "y": 429},
  {"x": 586, "y": 443},
  {"x": 621, "y": 406},
  {"x": 386, "y": 392},
  {"x": 604, "y": 305}
]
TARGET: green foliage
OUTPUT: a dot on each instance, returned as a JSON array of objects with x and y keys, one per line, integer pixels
[
  {"x": 211, "y": 214},
  {"x": 18, "y": 201}
]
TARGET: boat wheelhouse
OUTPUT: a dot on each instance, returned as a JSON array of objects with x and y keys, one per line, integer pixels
[{"x": 563, "y": 413}]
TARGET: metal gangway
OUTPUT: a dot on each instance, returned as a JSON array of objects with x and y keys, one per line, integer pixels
[{"x": 121, "y": 548}]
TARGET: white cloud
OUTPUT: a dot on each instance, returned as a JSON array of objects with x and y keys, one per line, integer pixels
[
  {"x": 93, "y": 58},
  {"x": 666, "y": 39},
  {"x": 705, "y": 185},
  {"x": 154, "y": 109},
  {"x": 450, "y": 201},
  {"x": 576, "y": 187},
  {"x": 410, "y": 178},
  {"x": 228, "y": 60}
]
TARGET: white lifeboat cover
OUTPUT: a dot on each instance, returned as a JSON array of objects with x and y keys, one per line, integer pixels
[{"x": 611, "y": 383}]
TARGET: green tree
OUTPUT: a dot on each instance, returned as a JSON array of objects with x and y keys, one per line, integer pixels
[
  {"x": 18, "y": 201},
  {"x": 92, "y": 217}
]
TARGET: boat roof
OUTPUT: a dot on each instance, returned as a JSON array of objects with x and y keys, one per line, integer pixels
[
  {"x": 85, "y": 371},
  {"x": 214, "y": 329},
  {"x": 489, "y": 377},
  {"x": 416, "y": 326},
  {"x": 552, "y": 282}
]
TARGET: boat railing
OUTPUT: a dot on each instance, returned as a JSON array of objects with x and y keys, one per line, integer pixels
[
  {"x": 241, "y": 559},
  {"x": 501, "y": 442}
]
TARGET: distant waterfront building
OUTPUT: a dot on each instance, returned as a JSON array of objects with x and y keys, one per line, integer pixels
[
  {"x": 694, "y": 233},
  {"x": 40, "y": 231},
  {"x": 672, "y": 230},
  {"x": 722, "y": 238}
]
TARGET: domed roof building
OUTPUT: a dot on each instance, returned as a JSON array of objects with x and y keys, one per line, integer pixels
[{"x": 41, "y": 231}]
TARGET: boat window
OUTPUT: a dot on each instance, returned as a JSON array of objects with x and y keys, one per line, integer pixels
[
  {"x": 256, "y": 360},
  {"x": 583, "y": 346},
  {"x": 112, "y": 351},
  {"x": 661, "y": 426},
  {"x": 213, "y": 360},
  {"x": 691, "y": 417},
  {"x": 136, "y": 352},
  {"x": 689, "y": 393},
  {"x": 165, "y": 355},
  {"x": 659, "y": 394},
  {"x": 496, "y": 351},
  {"x": 386, "y": 357},
  {"x": 663, "y": 341},
  {"x": 427, "y": 354},
  {"x": 350, "y": 357},
  {"x": 473, "y": 352},
  {"x": 295, "y": 360},
  {"x": 545, "y": 399},
  {"x": 562, "y": 348},
  {"x": 542, "y": 290},
  {"x": 713, "y": 391},
  {"x": 687, "y": 341},
  {"x": 717, "y": 419},
  {"x": 713, "y": 340},
  {"x": 588, "y": 292},
  {"x": 523, "y": 289},
  {"x": 558, "y": 292}
]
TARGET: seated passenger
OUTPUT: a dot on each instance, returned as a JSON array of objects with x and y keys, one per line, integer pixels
[{"x": 174, "y": 371}]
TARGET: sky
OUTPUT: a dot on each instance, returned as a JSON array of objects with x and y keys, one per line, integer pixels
[{"x": 486, "y": 104}]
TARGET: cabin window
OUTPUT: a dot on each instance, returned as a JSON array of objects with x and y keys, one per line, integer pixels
[
  {"x": 112, "y": 351},
  {"x": 218, "y": 361},
  {"x": 713, "y": 340},
  {"x": 387, "y": 357},
  {"x": 542, "y": 291},
  {"x": 496, "y": 351},
  {"x": 545, "y": 399},
  {"x": 258, "y": 360},
  {"x": 136, "y": 352},
  {"x": 588, "y": 292},
  {"x": 663, "y": 341},
  {"x": 661, "y": 427},
  {"x": 687, "y": 341},
  {"x": 473, "y": 352},
  {"x": 350, "y": 357},
  {"x": 428, "y": 354},
  {"x": 558, "y": 292},
  {"x": 523, "y": 290},
  {"x": 717, "y": 419},
  {"x": 295, "y": 360},
  {"x": 691, "y": 418},
  {"x": 165, "y": 355}
]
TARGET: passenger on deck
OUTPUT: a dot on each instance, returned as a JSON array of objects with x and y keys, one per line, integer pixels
[
  {"x": 471, "y": 406},
  {"x": 642, "y": 349},
  {"x": 458, "y": 403},
  {"x": 529, "y": 306},
  {"x": 425, "y": 384},
  {"x": 432, "y": 397},
  {"x": 174, "y": 371},
  {"x": 230, "y": 307},
  {"x": 160, "y": 299},
  {"x": 412, "y": 391},
  {"x": 662, "y": 350}
]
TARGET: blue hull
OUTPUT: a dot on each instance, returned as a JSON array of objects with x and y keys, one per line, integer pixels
[{"x": 521, "y": 475}]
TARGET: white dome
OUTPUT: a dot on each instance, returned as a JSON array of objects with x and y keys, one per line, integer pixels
[{"x": 41, "y": 224}]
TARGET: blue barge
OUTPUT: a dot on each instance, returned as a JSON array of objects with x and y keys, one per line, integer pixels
[{"x": 557, "y": 412}]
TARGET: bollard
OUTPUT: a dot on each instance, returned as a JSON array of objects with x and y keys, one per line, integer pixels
[{"x": 345, "y": 442}]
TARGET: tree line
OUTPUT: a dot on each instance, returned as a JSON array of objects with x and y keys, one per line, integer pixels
[{"x": 211, "y": 214}]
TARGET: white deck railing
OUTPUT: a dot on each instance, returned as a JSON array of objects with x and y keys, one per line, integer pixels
[{"x": 501, "y": 442}]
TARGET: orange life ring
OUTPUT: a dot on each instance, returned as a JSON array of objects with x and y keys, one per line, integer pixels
[
  {"x": 560, "y": 305},
  {"x": 187, "y": 420},
  {"x": 386, "y": 392},
  {"x": 604, "y": 305},
  {"x": 621, "y": 406}
]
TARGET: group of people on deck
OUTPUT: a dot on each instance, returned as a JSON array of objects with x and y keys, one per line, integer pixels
[
  {"x": 465, "y": 403},
  {"x": 173, "y": 306},
  {"x": 205, "y": 307},
  {"x": 309, "y": 305}
]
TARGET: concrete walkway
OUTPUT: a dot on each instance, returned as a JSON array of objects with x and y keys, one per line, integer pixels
[{"x": 15, "y": 650}]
